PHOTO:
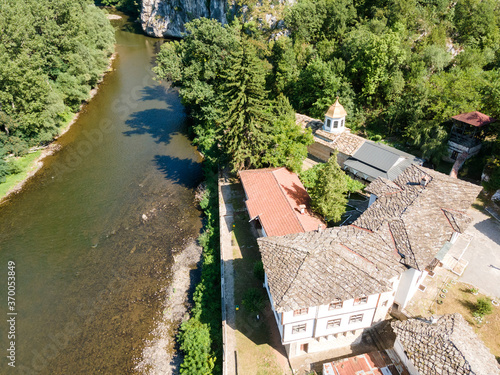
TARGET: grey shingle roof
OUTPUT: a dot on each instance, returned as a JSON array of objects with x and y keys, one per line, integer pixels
[
  {"x": 382, "y": 186},
  {"x": 316, "y": 268},
  {"x": 378, "y": 160},
  {"x": 448, "y": 346},
  {"x": 429, "y": 214}
]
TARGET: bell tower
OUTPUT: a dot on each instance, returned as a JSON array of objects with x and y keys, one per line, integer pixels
[{"x": 335, "y": 118}]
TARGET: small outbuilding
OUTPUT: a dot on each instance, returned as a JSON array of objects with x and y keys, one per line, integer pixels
[
  {"x": 467, "y": 134},
  {"x": 442, "y": 345}
]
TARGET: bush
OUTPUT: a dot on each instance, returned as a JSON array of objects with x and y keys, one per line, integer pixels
[
  {"x": 195, "y": 342},
  {"x": 253, "y": 300},
  {"x": 258, "y": 271},
  {"x": 483, "y": 307}
]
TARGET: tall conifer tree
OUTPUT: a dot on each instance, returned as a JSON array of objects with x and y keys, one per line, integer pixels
[{"x": 246, "y": 126}]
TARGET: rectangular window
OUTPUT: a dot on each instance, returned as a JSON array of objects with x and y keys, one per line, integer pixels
[
  {"x": 356, "y": 318},
  {"x": 333, "y": 323},
  {"x": 335, "y": 124},
  {"x": 300, "y": 312},
  {"x": 328, "y": 123},
  {"x": 298, "y": 328},
  {"x": 360, "y": 300},
  {"x": 335, "y": 305}
]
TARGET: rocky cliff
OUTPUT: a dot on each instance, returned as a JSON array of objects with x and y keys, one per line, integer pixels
[{"x": 162, "y": 18}]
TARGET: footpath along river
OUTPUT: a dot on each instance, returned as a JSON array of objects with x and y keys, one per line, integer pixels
[{"x": 94, "y": 233}]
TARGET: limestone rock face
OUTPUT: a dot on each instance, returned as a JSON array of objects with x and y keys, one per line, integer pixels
[{"x": 164, "y": 18}]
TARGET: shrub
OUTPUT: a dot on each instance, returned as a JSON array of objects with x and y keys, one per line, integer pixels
[
  {"x": 253, "y": 300},
  {"x": 258, "y": 271},
  {"x": 195, "y": 342},
  {"x": 483, "y": 307}
]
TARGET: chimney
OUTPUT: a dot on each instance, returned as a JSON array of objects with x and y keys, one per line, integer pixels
[
  {"x": 320, "y": 228},
  {"x": 302, "y": 209},
  {"x": 424, "y": 181}
]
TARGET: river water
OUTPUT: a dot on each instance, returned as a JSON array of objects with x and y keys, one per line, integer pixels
[{"x": 93, "y": 234}]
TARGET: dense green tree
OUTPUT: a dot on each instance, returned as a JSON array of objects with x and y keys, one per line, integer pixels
[
  {"x": 313, "y": 20},
  {"x": 328, "y": 186},
  {"x": 288, "y": 146},
  {"x": 132, "y": 7},
  {"x": 246, "y": 121},
  {"x": 373, "y": 61},
  {"x": 51, "y": 53},
  {"x": 478, "y": 23},
  {"x": 196, "y": 65}
]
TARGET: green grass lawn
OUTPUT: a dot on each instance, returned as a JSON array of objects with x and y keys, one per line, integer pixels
[{"x": 26, "y": 163}]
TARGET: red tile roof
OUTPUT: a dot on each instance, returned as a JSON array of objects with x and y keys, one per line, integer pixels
[
  {"x": 474, "y": 118},
  {"x": 375, "y": 363},
  {"x": 274, "y": 195}
]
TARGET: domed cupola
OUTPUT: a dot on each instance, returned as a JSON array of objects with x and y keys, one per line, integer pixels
[{"x": 335, "y": 118}]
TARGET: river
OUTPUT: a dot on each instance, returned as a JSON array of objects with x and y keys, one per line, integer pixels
[{"x": 94, "y": 232}]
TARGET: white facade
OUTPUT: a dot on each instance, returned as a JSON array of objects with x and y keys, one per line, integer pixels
[
  {"x": 410, "y": 281},
  {"x": 334, "y": 124},
  {"x": 398, "y": 348},
  {"x": 330, "y": 326}
]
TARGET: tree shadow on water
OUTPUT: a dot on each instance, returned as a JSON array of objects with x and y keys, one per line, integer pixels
[
  {"x": 185, "y": 172},
  {"x": 161, "y": 93},
  {"x": 161, "y": 124}
]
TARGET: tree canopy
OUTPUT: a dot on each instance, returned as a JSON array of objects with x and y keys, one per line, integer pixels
[
  {"x": 52, "y": 52},
  {"x": 328, "y": 186},
  {"x": 222, "y": 75}
]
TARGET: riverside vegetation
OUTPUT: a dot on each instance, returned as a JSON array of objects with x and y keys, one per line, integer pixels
[{"x": 52, "y": 52}]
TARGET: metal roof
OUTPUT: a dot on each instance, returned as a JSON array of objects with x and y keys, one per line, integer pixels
[
  {"x": 378, "y": 160},
  {"x": 475, "y": 118}
]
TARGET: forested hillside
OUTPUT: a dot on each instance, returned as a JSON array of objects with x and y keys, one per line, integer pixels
[
  {"x": 52, "y": 52},
  {"x": 402, "y": 68}
]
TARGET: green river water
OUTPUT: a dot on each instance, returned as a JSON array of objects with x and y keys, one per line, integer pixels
[{"x": 92, "y": 235}]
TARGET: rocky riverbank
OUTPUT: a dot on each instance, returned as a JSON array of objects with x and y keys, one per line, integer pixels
[{"x": 159, "y": 356}]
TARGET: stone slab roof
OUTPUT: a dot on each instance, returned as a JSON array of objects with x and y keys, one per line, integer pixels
[
  {"x": 382, "y": 186},
  {"x": 406, "y": 226},
  {"x": 475, "y": 118},
  {"x": 275, "y": 195},
  {"x": 420, "y": 219},
  {"x": 316, "y": 268},
  {"x": 344, "y": 142},
  {"x": 448, "y": 346}
]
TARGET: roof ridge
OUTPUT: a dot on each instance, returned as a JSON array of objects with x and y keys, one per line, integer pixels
[
  {"x": 354, "y": 252},
  {"x": 294, "y": 277},
  {"x": 286, "y": 198}
]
